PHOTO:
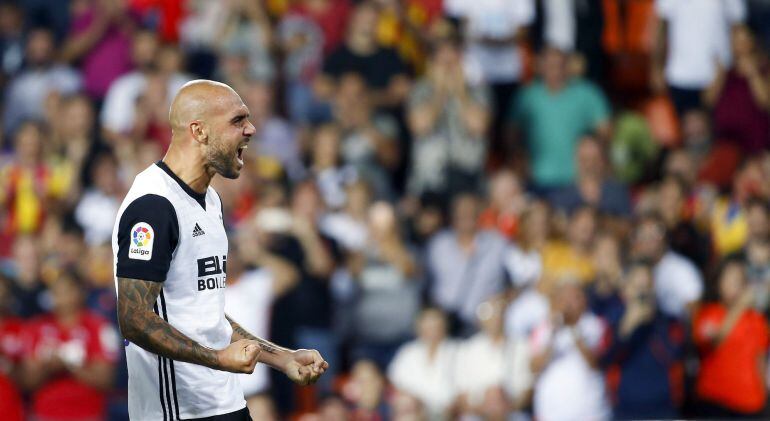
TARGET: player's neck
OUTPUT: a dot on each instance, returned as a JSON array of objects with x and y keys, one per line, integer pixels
[{"x": 189, "y": 170}]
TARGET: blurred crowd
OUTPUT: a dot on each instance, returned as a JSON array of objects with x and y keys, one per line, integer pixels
[{"x": 474, "y": 209}]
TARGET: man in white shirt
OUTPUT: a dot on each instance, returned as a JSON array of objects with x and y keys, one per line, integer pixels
[
  {"x": 692, "y": 42},
  {"x": 565, "y": 351},
  {"x": 492, "y": 373},
  {"x": 423, "y": 368}
]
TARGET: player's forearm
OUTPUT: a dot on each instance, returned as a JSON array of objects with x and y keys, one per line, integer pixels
[
  {"x": 272, "y": 354},
  {"x": 147, "y": 330},
  {"x": 140, "y": 325}
]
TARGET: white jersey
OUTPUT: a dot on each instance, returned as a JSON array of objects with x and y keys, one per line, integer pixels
[{"x": 166, "y": 232}]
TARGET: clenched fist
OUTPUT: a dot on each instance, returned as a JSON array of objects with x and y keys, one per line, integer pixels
[
  {"x": 240, "y": 356},
  {"x": 305, "y": 366}
]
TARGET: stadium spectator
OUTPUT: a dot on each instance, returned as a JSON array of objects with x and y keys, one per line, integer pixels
[
  {"x": 122, "y": 102},
  {"x": 422, "y": 369},
  {"x": 553, "y": 113},
  {"x": 565, "y": 356},
  {"x": 692, "y": 41},
  {"x": 448, "y": 117},
  {"x": 524, "y": 268},
  {"x": 571, "y": 257},
  {"x": 69, "y": 357},
  {"x": 493, "y": 31},
  {"x": 369, "y": 140},
  {"x": 349, "y": 227},
  {"x": 492, "y": 374},
  {"x": 11, "y": 40},
  {"x": 39, "y": 78},
  {"x": 685, "y": 238},
  {"x": 646, "y": 351},
  {"x": 465, "y": 264},
  {"x": 98, "y": 205},
  {"x": 678, "y": 284},
  {"x": 592, "y": 186},
  {"x": 382, "y": 69},
  {"x": 603, "y": 293},
  {"x": 99, "y": 42},
  {"x": 331, "y": 174},
  {"x": 34, "y": 182},
  {"x": 740, "y": 95},
  {"x": 732, "y": 340},
  {"x": 276, "y": 138},
  {"x": 388, "y": 288},
  {"x": 507, "y": 201},
  {"x": 716, "y": 159},
  {"x": 366, "y": 391}
]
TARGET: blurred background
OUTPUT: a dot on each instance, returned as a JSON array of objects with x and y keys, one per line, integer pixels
[{"x": 474, "y": 209}]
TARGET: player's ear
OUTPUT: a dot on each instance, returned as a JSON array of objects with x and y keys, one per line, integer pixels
[{"x": 199, "y": 132}]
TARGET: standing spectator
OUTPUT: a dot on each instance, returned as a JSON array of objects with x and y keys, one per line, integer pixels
[
  {"x": 465, "y": 264},
  {"x": 69, "y": 357},
  {"x": 448, "y": 117},
  {"x": 553, "y": 113},
  {"x": 647, "y": 351},
  {"x": 369, "y": 138},
  {"x": 732, "y": 339},
  {"x": 349, "y": 227},
  {"x": 566, "y": 351},
  {"x": 100, "y": 41},
  {"x": 40, "y": 77},
  {"x": 692, "y": 41},
  {"x": 678, "y": 284},
  {"x": 388, "y": 298},
  {"x": 740, "y": 96},
  {"x": 524, "y": 268},
  {"x": 422, "y": 369},
  {"x": 592, "y": 186},
  {"x": 382, "y": 69},
  {"x": 492, "y": 374},
  {"x": 716, "y": 159},
  {"x": 493, "y": 30}
]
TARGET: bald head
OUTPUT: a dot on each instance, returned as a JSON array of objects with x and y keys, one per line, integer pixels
[
  {"x": 198, "y": 100},
  {"x": 210, "y": 128}
]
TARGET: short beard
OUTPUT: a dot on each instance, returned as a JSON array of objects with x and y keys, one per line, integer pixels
[{"x": 223, "y": 163}]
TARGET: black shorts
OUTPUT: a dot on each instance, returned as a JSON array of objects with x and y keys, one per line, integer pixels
[{"x": 241, "y": 415}]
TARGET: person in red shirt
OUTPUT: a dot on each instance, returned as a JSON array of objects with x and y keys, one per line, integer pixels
[
  {"x": 69, "y": 357},
  {"x": 11, "y": 405},
  {"x": 732, "y": 339}
]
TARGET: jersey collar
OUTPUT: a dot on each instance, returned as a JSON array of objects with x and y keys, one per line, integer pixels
[{"x": 198, "y": 197}]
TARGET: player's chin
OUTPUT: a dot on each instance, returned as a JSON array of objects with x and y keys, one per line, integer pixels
[{"x": 233, "y": 170}]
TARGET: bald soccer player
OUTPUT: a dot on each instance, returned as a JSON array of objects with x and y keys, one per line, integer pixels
[{"x": 170, "y": 250}]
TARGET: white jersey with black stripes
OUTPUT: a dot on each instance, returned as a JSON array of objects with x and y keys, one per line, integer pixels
[{"x": 166, "y": 232}]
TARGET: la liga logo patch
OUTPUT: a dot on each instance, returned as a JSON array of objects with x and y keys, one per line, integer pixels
[{"x": 142, "y": 238}]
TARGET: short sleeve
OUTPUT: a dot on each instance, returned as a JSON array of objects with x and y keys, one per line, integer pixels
[{"x": 148, "y": 233}]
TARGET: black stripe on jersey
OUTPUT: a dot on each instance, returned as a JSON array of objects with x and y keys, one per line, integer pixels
[
  {"x": 160, "y": 377},
  {"x": 168, "y": 393},
  {"x": 171, "y": 362}
]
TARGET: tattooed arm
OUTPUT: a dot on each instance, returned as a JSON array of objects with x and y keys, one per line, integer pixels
[
  {"x": 140, "y": 325},
  {"x": 302, "y": 366}
]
